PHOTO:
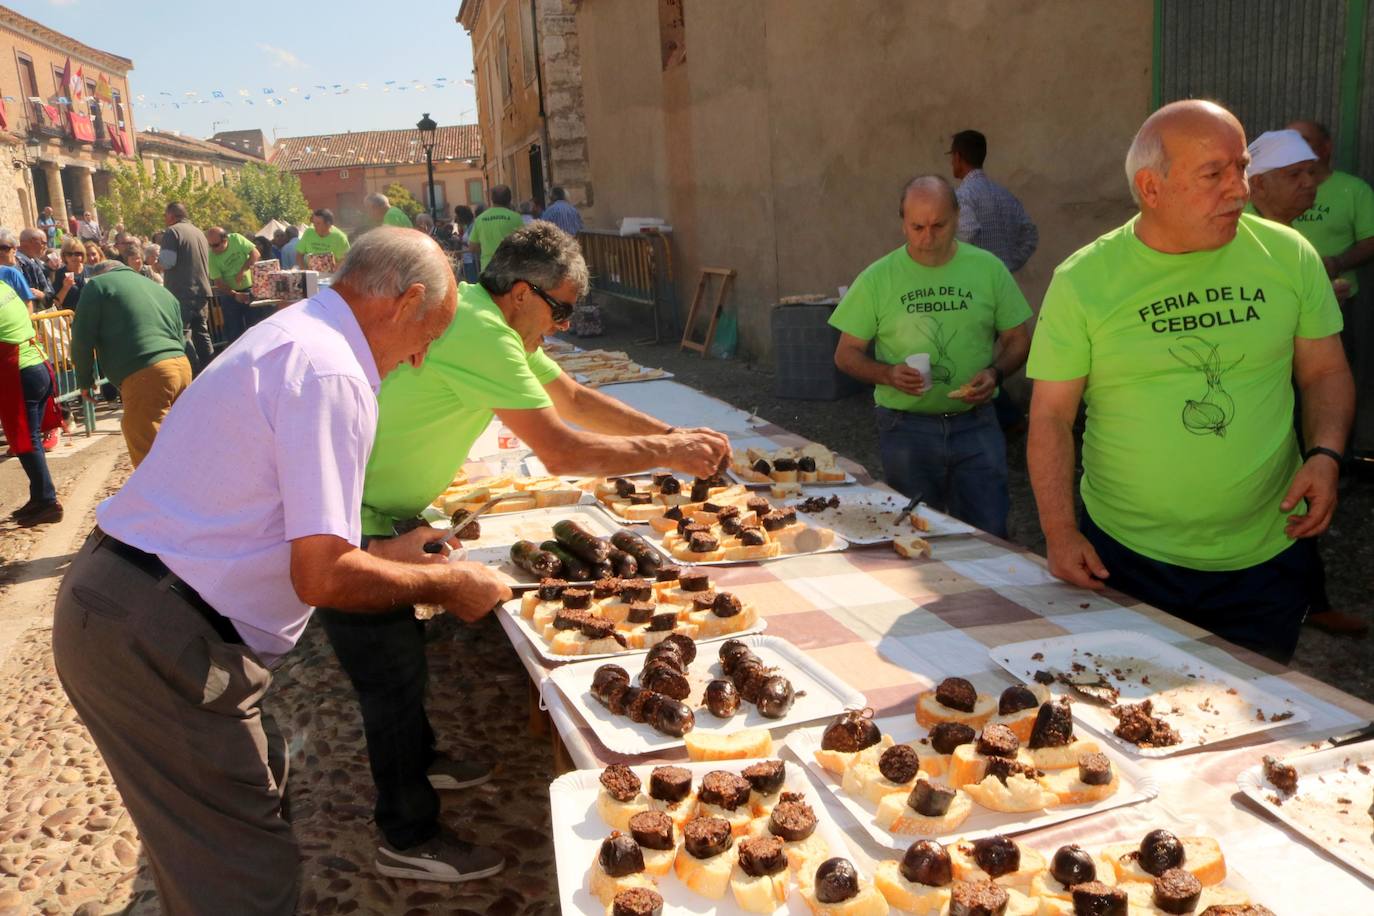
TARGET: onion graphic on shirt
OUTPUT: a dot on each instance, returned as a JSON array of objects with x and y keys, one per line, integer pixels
[
  {"x": 942, "y": 368},
  {"x": 1215, "y": 410}
]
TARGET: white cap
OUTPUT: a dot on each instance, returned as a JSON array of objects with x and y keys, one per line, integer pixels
[{"x": 1277, "y": 149}]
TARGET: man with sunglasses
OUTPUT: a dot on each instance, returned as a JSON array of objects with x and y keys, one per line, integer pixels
[
  {"x": 232, "y": 258},
  {"x": 487, "y": 363}
]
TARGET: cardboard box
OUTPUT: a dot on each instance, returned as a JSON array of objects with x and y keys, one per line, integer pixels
[
  {"x": 324, "y": 263},
  {"x": 293, "y": 285},
  {"x": 262, "y": 278}
]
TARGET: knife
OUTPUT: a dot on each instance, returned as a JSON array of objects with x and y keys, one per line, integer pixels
[
  {"x": 462, "y": 518},
  {"x": 1351, "y": 737},
  {"x": 908, "y": 509}
]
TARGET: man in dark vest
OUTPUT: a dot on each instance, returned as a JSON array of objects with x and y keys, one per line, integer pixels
[{"x": 185, "y": 259}]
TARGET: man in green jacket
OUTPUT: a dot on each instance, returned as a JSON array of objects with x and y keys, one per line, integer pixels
[
  {"x": 382, "y": 213},
  {"x": 495, "y": 223},
  {"x": 135, "y": 327}
]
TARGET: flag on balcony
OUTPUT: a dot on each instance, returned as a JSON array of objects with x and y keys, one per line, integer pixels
[
  {"x": 82, "y": 128},
  {"x": 69, "y": 84},
  {"x": 79, "y": 84},
  {"x": 102, "y": 89}
]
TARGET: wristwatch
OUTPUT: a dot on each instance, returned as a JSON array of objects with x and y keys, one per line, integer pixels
[{"x": 1323, "y": 450}]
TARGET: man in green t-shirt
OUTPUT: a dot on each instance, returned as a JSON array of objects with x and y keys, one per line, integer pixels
[
  {"x": 487, "y": 363},
  {"x": 323, "y": 237},
  {"x": 382, "y": 213},
  {"x": 494, "y": 224},
  {"x": 231, "y": 272},
  {"x": 1340, "y": 224},
  {"x": 1183, "y": 333},
  {"x": 955, "y": 305}
]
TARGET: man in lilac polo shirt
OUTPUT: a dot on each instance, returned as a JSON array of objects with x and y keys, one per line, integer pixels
[{"x": 204, "y": 568}]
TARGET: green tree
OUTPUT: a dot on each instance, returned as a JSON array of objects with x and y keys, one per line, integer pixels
[
  {"x": 400, "y": 197},
  {"x": 138, "y": 198},
  {"x": 272, "y": 193}
]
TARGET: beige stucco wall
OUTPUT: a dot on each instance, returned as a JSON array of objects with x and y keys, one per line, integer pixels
[{"x": 779, "y": 148}]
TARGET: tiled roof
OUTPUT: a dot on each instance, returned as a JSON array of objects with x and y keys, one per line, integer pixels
[
  {"x": 190, "y": 146},
  {"x": 374, "y": 147}
]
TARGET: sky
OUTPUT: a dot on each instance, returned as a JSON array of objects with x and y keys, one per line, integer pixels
[{"x": 291, "y": 48}]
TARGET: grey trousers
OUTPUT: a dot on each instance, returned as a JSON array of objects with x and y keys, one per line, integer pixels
[
  {"x": 195, "y": 322},
  {"x": 175, "y": 712}
]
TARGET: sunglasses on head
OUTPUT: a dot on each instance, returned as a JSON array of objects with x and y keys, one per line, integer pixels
[
  {"x": 561, "y": 311},
  {"x": 6, "y": 247}
]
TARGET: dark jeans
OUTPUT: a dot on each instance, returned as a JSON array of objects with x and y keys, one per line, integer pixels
[
  {"x": 36, "y": 383},
  {"x": 195, "y": 323},
  {"x": 384, "y": 656},
  {"x": 956, "y": 464},
  {"x": 1261, "y": 607},
  {"x": 235, "y": 317}
]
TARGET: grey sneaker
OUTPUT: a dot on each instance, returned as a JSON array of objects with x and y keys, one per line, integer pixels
[
  {"x": 447, "y": 773},
  {"x": 442, "y": 858}
]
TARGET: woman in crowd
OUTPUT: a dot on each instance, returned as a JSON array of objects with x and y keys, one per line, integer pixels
[
  {"x": 151, "y": 264},
  {"x": 463, "y": 217},
  {"x": 9, "y": 266},
  {"x": 131, "y": 253},
  {"x": 94, "y": 253},
  {"x": 425, "y": 223},
  {"x": 71, "y": 276}
]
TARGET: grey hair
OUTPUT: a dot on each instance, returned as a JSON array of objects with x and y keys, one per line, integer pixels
[
  {"x": 151, "y": 252},
  {"x": 424, "y": 219},
  {"x": 539, "y": 253},
  {"x": 26, "y": 234},
  {"x": 928, "y": 183},
  {"x": 7, "y": 236},
  {"x": 388, "y": 260},
  {"x": 376, "y": 199},
  {"x": 1147, "y": 152},
  {"x": 103, "y": 267}
]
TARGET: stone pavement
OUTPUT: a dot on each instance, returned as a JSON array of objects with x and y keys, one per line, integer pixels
[{"x": 67, "y": 845}]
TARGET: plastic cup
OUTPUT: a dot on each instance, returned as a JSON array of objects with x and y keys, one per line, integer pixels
[{"x": 921, "y": 363}]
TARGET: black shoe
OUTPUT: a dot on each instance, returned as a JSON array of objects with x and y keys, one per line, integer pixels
[
  {"x": 443, "y": 858},
  {"x": 43, "y": 514},
  {"x": 27, "y": 509}
]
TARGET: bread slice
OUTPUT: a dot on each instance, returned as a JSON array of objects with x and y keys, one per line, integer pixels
[
  {"x": 863, "y": 779},
  {"x": 739, "y": 819},
  {"x": 1070, "y": 790},
  {"x": 765, "y": 551},
  {"x": 709, "y": 625},
  {"x": 895, "y": 815},
  {"x": 1140, "y": 897},
  {"x": 911, "y": 547},
  {"x": 662, "y": 524},
  {"x": 868, "y": 902},
  {"x": 658, "y": 862},
  {"x": 617, "y": 813},
  {"x": 708, "y": 877},
  {"x": 838, "y": 761},
  {"x": 801, "y": 538},
  {"x": 1045, "y": 887},
  {"x": 1021, "y": 723},
  {"x": 741, "y": 745},
  {"x": 604, "y": 888},
  {"x": 1201, "y": 856},
  {"x": 1059, "y": 758},
  {"x": 1020, "y": 793},
  {"x": 813, "y": 849},
  {"x": 680, "y": 811},
  {"x": 965, "y": 869},
  {"x": 763, "y": 894},
  {"x": 917, "y": 899},
  {"x": 968, "y": 767},
  {"x": 828, "y": 474}
]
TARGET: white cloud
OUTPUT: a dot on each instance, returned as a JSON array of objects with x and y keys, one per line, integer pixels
[
  {"x": 281, "y": 56},
  {"x": 63, "y": 2}
]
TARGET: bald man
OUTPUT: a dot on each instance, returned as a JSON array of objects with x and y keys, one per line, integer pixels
[
  {"x": 956, "y": 309},
  {"x": 1184, "y": 331}
]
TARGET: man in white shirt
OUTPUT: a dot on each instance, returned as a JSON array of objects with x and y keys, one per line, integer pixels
[{"x": 204, "y": 569}]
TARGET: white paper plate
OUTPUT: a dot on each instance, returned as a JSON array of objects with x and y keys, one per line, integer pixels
[
  {"x": 656, "y": 538},
  {"x": 1204, "y": 703},
  {"x": 1135, "y": 786},
  {"x": 541, "y": 646},
  {"x": 499, "y": 532},
  {"x": 825, "y": 696},
  {"x": 1315, "y": 812},
  {"x": 578, "y": 832},
  {"x": 863, "y": 510}
]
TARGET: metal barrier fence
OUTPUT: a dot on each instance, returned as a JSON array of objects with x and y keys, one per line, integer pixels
[
  {"x": 53, "y": 330},
  {"x": 636, "y": 268}
]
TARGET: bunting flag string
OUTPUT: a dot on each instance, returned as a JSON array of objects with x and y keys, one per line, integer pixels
[{"x": 271, "y": 96}]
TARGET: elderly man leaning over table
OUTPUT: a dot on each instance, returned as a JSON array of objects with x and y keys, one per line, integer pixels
[
  {"x": 489, "y": 362},
  {"x": 1184, "y": 331},
  {"x": 204, "y": 568}
]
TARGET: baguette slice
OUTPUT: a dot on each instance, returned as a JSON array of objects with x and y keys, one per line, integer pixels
[
  {"x": 966, "y": 869},
  {"x": 838, "y": 761},
  {"x": 604, "y": 887},
  {"x": 895, "y": 815},
  {"x": 911, "y": 547},
  {"x": 763, "y": 894},
  {"x": 617, "y": 813},
  {"x": 930, "y": 712},
  {"x": 1019, "y": 794},
  {"x": 708, "y": 877},
  {"x": 1059, "y": 758},
  {"x": 868, "y": 902},
  {"x": 1070, "y": 790},
  {"x": 1201, "y": 856},
  {"x": 918, "y": 899},
  {"x": 740, "y": 745}
]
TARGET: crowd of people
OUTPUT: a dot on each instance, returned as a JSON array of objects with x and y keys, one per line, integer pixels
[{"x": 1204, "y": 335}]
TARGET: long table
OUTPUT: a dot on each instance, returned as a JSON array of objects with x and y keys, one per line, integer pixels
[{"x": 892, "y": 628}]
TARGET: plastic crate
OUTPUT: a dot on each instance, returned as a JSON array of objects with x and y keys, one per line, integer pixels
[{"x": 804, "y": 355}]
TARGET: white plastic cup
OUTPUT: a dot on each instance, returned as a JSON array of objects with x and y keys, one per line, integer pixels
[{"x": 921, "y": 363}]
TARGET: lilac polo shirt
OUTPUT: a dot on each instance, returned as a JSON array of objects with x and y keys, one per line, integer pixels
[{"x": 269, "y": 444}]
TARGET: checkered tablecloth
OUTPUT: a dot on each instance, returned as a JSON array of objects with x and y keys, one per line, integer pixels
[{"x": 891, "y": 627}]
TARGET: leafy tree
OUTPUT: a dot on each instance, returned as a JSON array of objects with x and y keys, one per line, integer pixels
[
  {"x": 138, "y": 200},
  {"x": 400, "y": 197},
  {"x": 272, "y": 193}
]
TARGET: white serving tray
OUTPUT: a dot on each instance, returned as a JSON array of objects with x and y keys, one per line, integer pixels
[
  {"x": 578, "y": 832},
  {"x": 1205, "y": 704},
  {"x": 859, "y": 504},
  {"x": 656, "y": 538},
  {"x": 541, "y": 646},
  {"x": 1135, "y": 786},
  {"x": 499, "y": 532},
  {"x": 825, "y": 696},
  {"x": 1314, "y": 812}
]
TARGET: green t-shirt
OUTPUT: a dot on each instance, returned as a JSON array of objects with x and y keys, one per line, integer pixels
[
  {"x": 1342, "y": 215},
  {"x": 16, "y": 327},
  {"x": 953, "y": 312},
  {"x": 430, "y": 417},
  {"x": 335, "y": 243},
  {"x": 1189, "y": 445},
  {"x": 397, "y": 217},
  {"x": 225, "y": 265},
  {"x": 491, "y": 227}
]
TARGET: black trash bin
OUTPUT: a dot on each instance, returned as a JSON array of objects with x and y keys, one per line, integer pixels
[{"x": 804, "y": 354}]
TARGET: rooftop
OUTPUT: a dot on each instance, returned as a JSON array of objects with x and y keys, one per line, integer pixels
[
  {"x": 374, "y": 147},
  {"x": 193, "y": 146}
]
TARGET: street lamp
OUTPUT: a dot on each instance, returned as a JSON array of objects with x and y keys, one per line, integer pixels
[{"x": 427, "y": 129}]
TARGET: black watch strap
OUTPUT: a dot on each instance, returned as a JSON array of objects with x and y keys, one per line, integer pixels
[
  {"x": 997, "y": 374},
  {"x": 1323, "y": 450}
]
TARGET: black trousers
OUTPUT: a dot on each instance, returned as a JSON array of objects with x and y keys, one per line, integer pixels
[
  {"x": 384, "y": 656},
  {"x": 1261, "y": 607},
  {"x": 195, "y": 323}
]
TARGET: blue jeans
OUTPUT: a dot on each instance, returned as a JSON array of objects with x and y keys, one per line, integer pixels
[
  {"x": 36, "y": 384},
  {"x": 956, "y": 464},
  {"x": 1260, "y": 607},
  {"x": 235, "y": 317},
  {"x": 384, "y": 656}
]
